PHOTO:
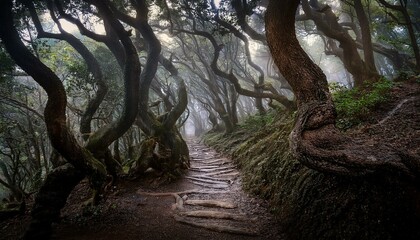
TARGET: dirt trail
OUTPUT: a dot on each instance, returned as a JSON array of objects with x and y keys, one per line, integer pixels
[{"x": 208, "y": 203}]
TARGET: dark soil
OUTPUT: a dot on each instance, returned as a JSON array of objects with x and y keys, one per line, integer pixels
[
  {"x": 314, "y": 205},
  {"x": 126, "y": 214},
  {"x": 397, "y": 122}
]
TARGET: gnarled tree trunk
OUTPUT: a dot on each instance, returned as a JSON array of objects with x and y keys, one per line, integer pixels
[
  {"x": 317, "y": 144},
  {"x": 161, "y": 128},
  {"x": 52, "y": 196},
  {"x": 315, "y": 141}
]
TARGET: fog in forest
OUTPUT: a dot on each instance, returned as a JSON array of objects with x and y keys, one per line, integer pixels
[{"x": 97, "y": 95}]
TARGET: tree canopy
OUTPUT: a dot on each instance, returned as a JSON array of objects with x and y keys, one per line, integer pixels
[{"x": 108, "y": 89}]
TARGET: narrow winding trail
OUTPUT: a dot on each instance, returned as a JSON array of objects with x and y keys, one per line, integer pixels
[
  {"x": 207, "y": 203},
  {"x": 218, "y": 202}
]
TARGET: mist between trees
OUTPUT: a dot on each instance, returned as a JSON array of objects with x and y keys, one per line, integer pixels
[{"x": 105, "y": 89}]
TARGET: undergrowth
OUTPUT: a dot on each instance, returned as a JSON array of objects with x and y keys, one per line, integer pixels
[
  {"x": 310, "y": 204},
  {"x": 259, "y": 151},
  {"x": 354, "y": 105}
]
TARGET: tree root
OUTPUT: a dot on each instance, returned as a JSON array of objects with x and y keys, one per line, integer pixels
[
  {"x": 165, "y": 194},
  {"x": 394, "y": 110},
  {"x": 201, "y": 159},
  {"x": 209, "y": 170},
  {"x": 217, "y": 186},
  {"x": 211, "y": 181},
  {"x": 93, "y": 200},
  {"x": 222, "y": 160},
  {"x": 220, "y": 172},
  {"x": 215, "y": 164},
  {"x": 211, "y": 203},
  {"x": 217, "y": 215},
  {"x": 232, "y": 174},
  {"x": 192, "y": 191},
  {"x": 206, "y": 167},
  {"x": 179, "y": 202},
  {"x": 347, "y": 158},
  {"x": 210, "y": 178},
  {"x": 216, "y": 227}
]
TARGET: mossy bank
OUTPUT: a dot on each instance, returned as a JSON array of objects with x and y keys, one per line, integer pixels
[{"x": 310, "y": 204}]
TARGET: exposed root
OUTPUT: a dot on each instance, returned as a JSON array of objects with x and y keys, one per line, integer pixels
[
  {"x": 92, "y": 201},
  {"x": 221, "y": 160},
  {"x": 211, "y": 203},
  {"x": 220, "y": 172},
  {"x": 233, "y": 174},
  {"x": 210, "y": 178},
  {"x": 216, "y": 227},
  {"x": 217, "y": 186},
  {"x": 166, "y": 194},
  {"x": 394, "y": 110},
  {"x": 211, "y": 181},
  {"x": 200, "y": 159},
  {"x": 179, "y": 202},
  {"x": 215, "y": 164},
  {"x": 209, "y": 170},
  {"x": 163, "y": 194},
  {"x": 217, "y": 215},
  {"x": 206, "y": 167}
]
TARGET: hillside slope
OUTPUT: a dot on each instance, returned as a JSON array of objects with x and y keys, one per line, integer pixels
[{"x": 313, "y": 205}]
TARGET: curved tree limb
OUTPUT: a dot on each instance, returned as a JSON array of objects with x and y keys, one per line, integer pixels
[
  {"x": 180, "y": 107},
  {"x": 110, "y": 39},
  {"x": 314, "y": 140},
  {"x": 231, "y": 77},
  {"x": 146, "y": 120},
  {"x": 91, "y": 62},
  {"x": 241, "y": 10},
  {"x": 54, "y": 113},
  {"x": 326, "y": 22},
  {"x": 244, "y": 39},
  {"x": 104, "y": 136},
  {"x": 47, "y": 208},
  {"x": 18, "y": 104}
]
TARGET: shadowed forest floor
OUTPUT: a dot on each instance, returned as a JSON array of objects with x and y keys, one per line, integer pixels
[
  {"x": 314, "y": 205},
  {"x": 145, "y": 209},
  {"x": 134, "y": 209}
]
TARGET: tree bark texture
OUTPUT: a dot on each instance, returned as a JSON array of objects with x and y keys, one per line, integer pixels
[
  {"x": 366, "y": 35},
  {"x": 91, "y": 62},
  {"x": 315, "y": 141},
  {"x": 55, "y": 118},
  {"x": 51, "y": 199},
  {"x": 161, "y": 128},
  {"x": 104, "y": 137}
]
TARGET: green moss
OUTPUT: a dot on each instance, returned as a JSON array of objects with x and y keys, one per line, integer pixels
[
  {"x": 313, "y": 205},
  {"x": 355, "y": 105},
  {"x": 94, "y": 165}
]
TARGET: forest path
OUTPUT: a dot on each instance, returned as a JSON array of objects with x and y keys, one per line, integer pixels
[{"x": 207, "y": 203}]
